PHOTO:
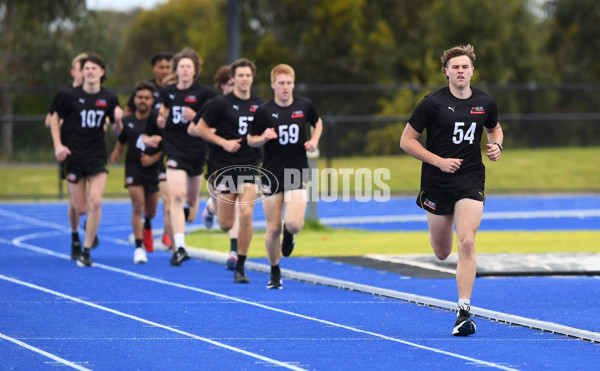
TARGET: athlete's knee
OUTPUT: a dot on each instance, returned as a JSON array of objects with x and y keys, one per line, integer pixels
[
  {"x": 441, "y": 255},
  {"x": 273, "y": 232},
  {"x": 95, "y": 203},
  {"x": 225, "y": 223},
  {"x": 245, "y": 213},
  {"x": 137, "y": 209},
  {"x": 177, "y": 197},
  {"x": 294, "y": 225},
  {"x": 467, "y": 247},
  {"x": 441, "y": 251},
  {"x": 274, "y": 227}
]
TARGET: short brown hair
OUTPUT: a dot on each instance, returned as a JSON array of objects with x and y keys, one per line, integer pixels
[
  {"x": 282, "y": 69},
  {"x": 222, "y": 76},
  {"x": 96, "y": 59},
  {"x": 191, "y": 54},
  {"x": 457, "y": 51},
  {"x": 242, "y": 62}
]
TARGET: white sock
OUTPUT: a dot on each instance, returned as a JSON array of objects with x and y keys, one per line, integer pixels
[
  {"x": 464, "y": 304},
  {"x": 179, "y": 240}
]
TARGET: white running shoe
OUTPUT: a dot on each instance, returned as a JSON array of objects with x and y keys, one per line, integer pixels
[{"x": 139, "y": 256}]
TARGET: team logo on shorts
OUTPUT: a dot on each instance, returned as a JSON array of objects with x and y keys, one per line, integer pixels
[
  {"x": 266, "y": 188},
  {"x": 71, "y": 177},
  {"x": 129, "y": 180},
  {"x": 171, "y": 163},
  {"x": 234, "y": 179},
  {"x": 430, "y": 204}
]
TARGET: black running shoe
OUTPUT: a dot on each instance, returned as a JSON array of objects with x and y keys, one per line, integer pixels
[
  {"x": 275, "y": 282},
  {"x": 85, "y": 260},
  {"x": 179, "y": 257},
  {"x": 174, "y": 262},
  {"x": 288, "y": 243},
  {"x": 75, "y": 250},
  {"x": 240, "y": 277},
  {"x": 464, "y": 325}
]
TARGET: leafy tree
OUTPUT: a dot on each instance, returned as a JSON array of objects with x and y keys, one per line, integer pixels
[
  {"x": 38, "y": 40},
  {"x": 199, "y": 24},
  {"x": 574, "y": 43}
]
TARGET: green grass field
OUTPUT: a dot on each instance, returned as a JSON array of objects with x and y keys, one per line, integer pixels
[
  {"x": 563, "y": 170},
  {"x": 533, "y": 171},
  {"x": 344, "y": 242}
]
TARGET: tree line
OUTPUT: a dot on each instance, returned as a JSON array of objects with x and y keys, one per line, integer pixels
[{"x": 342, "y": 50}]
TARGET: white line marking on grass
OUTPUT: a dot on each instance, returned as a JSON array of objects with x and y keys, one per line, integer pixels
[
  {"x": 502, "y": 215},
  {"x": 44, "y": 353},
  {"x": 151, "y": 323},
  {"x": 394, "y": 259},
  {"x": 18, "y": 242}
]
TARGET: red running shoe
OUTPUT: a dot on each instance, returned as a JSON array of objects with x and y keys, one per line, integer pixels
[
  {"x": 166, "y": 240},
  {"x": 148, "y": 240}
]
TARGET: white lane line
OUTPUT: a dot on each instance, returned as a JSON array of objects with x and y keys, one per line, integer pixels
[
  {"x": 44, "y": 353},
  {"x": 151, "y": 323},
  {"x": 18, "y": 242},
  {"x": 501, "y": 215},
  {"x": 394, "y": 259}
]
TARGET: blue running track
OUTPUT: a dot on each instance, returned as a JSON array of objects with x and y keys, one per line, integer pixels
[{"x": 118, "y": 315}]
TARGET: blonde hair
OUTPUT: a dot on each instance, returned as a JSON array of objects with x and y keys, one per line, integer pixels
[
  {"x": 282, "y": 69},
  {"x": 77, "y": 60}
]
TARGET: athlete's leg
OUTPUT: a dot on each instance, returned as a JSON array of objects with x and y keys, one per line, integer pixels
[
  {"x": 73, "y": 215},
  {"x": 136, "y": 193},
  {"x": 150, "y": 204},
  {"x": 235, "y": 229},
  {"x": 467, "y": 215},
  {"x": 193, "y": 190},
  {"x": 177, "y": 183},
  {"x": 295, "y": 208},
  {"x": 97, "y": 185},
  {"x": 78, "y": 197},
  {"x": 247, "y": 200},
  {"x": 441, "y": 234},
  {"x": 226, "y": 210},
  {"x": 273, "y": 207},
  {"x": 166, "y": 197}
]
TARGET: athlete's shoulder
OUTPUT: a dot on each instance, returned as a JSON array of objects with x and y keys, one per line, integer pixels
[
  {"x": 105, "y": 92},
  {"x": 440, "y": 93}
]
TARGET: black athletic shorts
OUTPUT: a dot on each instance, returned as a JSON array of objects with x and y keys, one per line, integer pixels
[
  {"x": 272, "y": 185},
  {"x": 228, "y": 179},
  {"x": 192, "y": 166},
  {"x": 75, "y": 170},
  {"x": 141, "y": 176},
  {"x": 442, "y": 203}
]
